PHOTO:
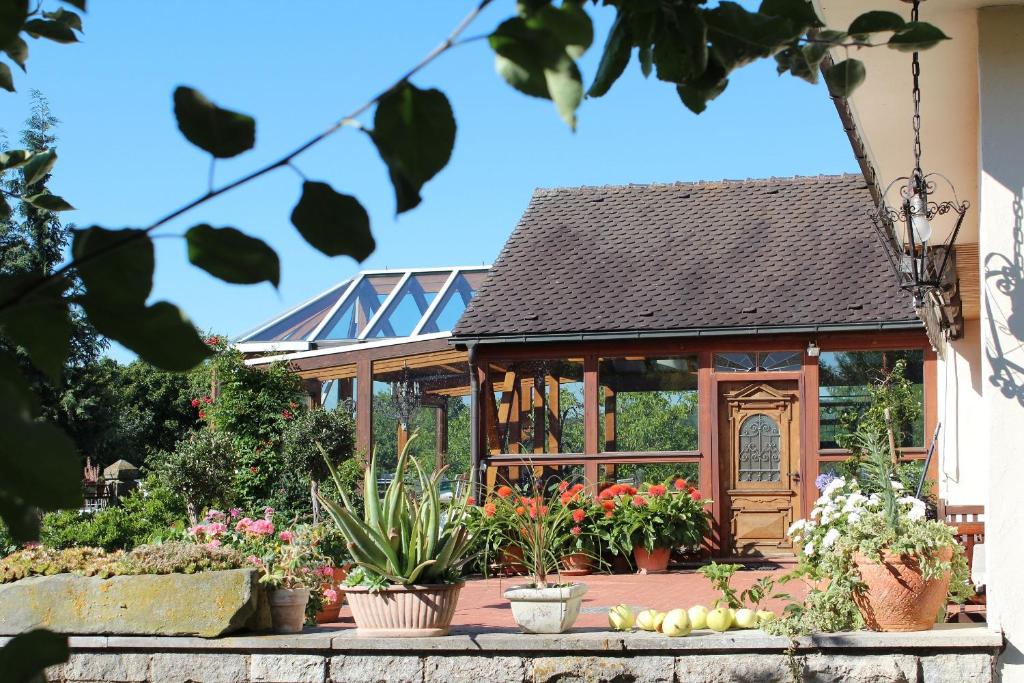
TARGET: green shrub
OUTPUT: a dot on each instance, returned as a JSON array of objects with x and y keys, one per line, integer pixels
[
  {"x": 143, "y": 514},
  {"x": 200, "y": 469},
  {"x": 166, "y": 558},
  {"x": 303, "y": 461}
]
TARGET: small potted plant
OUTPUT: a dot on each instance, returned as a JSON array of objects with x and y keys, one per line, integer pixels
[
  {"x": 579, "y": 551},
  {"x": 876, "y": 559},
  {"x": 408, "y": 551},
  {"x": 540, "y": 527},
  {"x": 655, "y": 520}
]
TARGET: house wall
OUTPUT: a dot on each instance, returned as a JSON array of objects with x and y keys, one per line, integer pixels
[
  {"x": 963, "y": 463},
  {"x": 1001, "y": 68}
]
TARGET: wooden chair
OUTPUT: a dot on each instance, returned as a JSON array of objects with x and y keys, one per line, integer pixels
[{"x": 969, "y": 524}]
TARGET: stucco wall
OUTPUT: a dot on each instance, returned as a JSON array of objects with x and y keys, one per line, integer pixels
[
  {"x": 963, "y": 443},
  {"x": 1001, "y": 68}
]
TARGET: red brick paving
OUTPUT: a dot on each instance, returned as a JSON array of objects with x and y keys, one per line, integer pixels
[{"x": 481, "y": 603}]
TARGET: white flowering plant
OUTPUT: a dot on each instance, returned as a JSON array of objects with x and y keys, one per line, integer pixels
[{"x": 843, "y": 523}]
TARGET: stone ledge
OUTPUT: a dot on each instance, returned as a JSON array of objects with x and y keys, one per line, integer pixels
[{"x": 954, "y": 637}]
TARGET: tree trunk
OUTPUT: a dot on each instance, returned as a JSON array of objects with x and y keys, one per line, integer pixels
[{"x": 314, "y": 490}]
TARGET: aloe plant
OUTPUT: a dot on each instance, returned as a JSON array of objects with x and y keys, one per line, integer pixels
[{"x": 401, "y": 538}]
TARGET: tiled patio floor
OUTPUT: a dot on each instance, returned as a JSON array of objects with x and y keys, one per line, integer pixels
[{"x": 481, "y": 603}]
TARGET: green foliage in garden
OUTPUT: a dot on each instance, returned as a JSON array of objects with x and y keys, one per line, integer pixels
[
  {"x": 199, "y": 469},
  {"x": 304, "y": 465},
  {"x": 146, "y": 513}
]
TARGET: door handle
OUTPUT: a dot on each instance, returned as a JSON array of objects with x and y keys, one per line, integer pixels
[{"x": 795, "y": 476}]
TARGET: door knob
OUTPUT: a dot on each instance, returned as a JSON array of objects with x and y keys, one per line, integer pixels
[{"x": 795, "y": 476}]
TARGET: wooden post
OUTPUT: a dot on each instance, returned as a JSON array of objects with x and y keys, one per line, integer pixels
[
  {"x": 892, "y": 438},
  {"x": 476, "y": 451},
  {"x": 364, "y": 407},
  {"x": 590, "y": 421},
  {"x": 441, "y": 433},
  {"x": 313, "y": 388},
  {"x": 539, "y": 428},
  {"x": 554, "y": 414},
  {"x": 610, "y": 420}
]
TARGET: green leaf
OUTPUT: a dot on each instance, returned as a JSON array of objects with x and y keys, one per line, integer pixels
[
  {"x": 643, "y": 22},
  {"x": 876, "y": 21},
  {"x": 70, "y": 19},
  {"x": 5, "y": 208},
  {"x": 800, "y": 12},
  {"x": 414, "y": 131},
  {"x": 49, "y": 202},
  {"x": 681, "y": 45},
  {"x": 12, "y": 17},
  {"x": 17, "y": 50},
  {"x": 570, "y": 24},
  {"x": 336, "y": 224},
  {"x": 6, "y": 78},
  {"x": 80, "y": 4},
  {"x": 38, "y": 320},
  {"x": 802, "y": 61},
  {"x": 535, "y": 62},
  {"x": 161, "y": 334},
  {"x": 15, "y": 391},
  {"x": 26, "y": 655},
  {"x": 57, "y": 31},
  {"x": 617, "y": 50},
  {"x": 221, "y": 132},
  {"x": 844, "y": 77},
  {"x": 232, "y": 256},
  {"x": 118, "y": 274},
  {"x": 739, "y": 37},
  {"x": 916, "y": 36},
  {"x": 38, "y": 165},
  {"x": 697, "y": 92},
  {"x": 14, "y": 158}
]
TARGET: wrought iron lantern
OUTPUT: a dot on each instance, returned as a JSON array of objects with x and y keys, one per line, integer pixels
[
  {"x": 407, "y": 394},
  {"x": 908, "y": 207}
]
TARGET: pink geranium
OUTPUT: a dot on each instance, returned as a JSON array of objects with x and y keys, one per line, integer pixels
[
  {"x": 330, "y": 595},
  {"x": 261, "y": 527},
  {"x": 286, "y": 536},
  {"x": 243, "y": 524},
  {"x": 215, "y": 528},
  {"x": 325, "y": 570},
  {"x": 215, "y": 543}
]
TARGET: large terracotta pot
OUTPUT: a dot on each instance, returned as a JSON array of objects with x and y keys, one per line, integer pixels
[
  {"x": 288, "y": 609},
  {"x": 404, "y": 611},
  {"x": 897, "y": 597},
  {"x": 328, "y": 614},
  {"x": 510, "y": 562},
  {"x": 577, "y": 564},
  {"x": 651, "y": 563}
]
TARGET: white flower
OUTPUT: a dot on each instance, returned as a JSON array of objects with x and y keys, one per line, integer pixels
[
  {"x": 833, "y": 485},
  {"x": 854, "y": 517},
  {"x": 855, "y": 501},
  {"x": 874, "y": 500},
  {"x": 796, "y": 526},
  {"x": 815, "y": 512},
  {"x": 830, "y": 538},
  {"x": 809, "y": 549},
  {"x": 896, "y": 486}
]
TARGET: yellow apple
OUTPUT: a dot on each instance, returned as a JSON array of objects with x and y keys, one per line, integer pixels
[
  {"x": 698, "y": 616},
  {"x": 677, "y": 623},
  {"x": 620, "y": 618},
  {"x": 764, "y": 616},
  {"x": 649, "y": 620},
  {"x": 719, "y": 619},
  {"x": 745, "y": 618}
]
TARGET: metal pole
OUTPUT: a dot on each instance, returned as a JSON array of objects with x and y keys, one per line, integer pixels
[{"x": 928, "y": 460}]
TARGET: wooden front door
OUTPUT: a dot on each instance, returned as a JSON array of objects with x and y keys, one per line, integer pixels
[{"x": 759, "y": 441}]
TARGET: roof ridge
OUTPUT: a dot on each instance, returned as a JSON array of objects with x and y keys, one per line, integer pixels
[{"x": 724, "y": 182}]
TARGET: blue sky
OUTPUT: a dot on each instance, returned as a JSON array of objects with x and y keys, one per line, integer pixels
[{"x": 124, "y": 163}]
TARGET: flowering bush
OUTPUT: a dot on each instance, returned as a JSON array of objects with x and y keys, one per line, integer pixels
[
  {"x": 845, "y": 522},
  {"x": 668, "y": 515}
]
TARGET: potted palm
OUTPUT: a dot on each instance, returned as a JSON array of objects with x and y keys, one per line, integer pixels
[
  {"x": 540, "y": 527},
  {"x": 656, "y": 519},
  {"x": 408, "y": 553},
  {"x": 880, "y": 562}
]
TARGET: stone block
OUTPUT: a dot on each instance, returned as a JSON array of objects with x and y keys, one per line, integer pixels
[
  {"x": 191, "y": 667},
  {"x": 965, "y": 668},
  {"x": 375, "y": 669},
  {"x": 109, "y": 668},
  {"x": 577, "y": 669},
  {"x": 216, "y": 603},
  {"x": 836, "y": 668},
  {"x": 472, "y": 669},
  {"x": 287, "y": 668},
  {"x": 749, "y": 668}
]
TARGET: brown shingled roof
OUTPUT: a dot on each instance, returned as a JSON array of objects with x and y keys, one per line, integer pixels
[{"x": 780, "y": 252}]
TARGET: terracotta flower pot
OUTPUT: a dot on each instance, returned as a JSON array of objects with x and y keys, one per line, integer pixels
[
  {"x": 897, "y": 597},
  {"x": 404, "y": 611},
  {"x": 577, "y": 564},
  {"x": 288, "y": 609},
  {"x": 329, "y": 613},
  {"x": 510, "y": 562},
  {"x": 651, "y": 563}
]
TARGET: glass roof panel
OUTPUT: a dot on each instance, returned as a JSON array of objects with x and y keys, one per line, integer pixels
[
  {"x": 450, "y": 309},
  {"x": 297, "y": 325}
]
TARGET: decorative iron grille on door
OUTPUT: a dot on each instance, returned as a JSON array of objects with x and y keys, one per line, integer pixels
[{"x": 759, "y": 449}]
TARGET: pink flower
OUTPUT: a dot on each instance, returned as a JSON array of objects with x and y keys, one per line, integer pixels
[
  {"x": 639, "y": 501},
  {"x": 195, "y": 403},
  {"x": 286, "y": 414},
  {"x": 286, "y": 536},
  {"x": 268, "y": 512},
  {"x": 234, "y": 512},
  {"x": 207, "y": 400},
  {"x": 330, "y": 595},
  {"x": 215, "y": 528},
  {"x": 243, "y": 524},
  {"x": 202, "y": 414},
  {"x": 197, "y": 530},
  {"x": 575, "y": 531},
  {"x": 215, "y": 543},
  {"x": 325, "y": 570},
  {"x": 261, "y": 527},
  {"x": 252, "y": 559}
]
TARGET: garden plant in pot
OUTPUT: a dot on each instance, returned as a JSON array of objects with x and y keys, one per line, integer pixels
[
  {"x": 408, "y": 550},
  {"x": 654, "y": 520},
  {"x": 874, "y": 560}
]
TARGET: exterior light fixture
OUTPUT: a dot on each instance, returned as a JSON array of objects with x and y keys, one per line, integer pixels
[
  {"x": 912, "y": 212},
  {"x": 813, "y": 349}
]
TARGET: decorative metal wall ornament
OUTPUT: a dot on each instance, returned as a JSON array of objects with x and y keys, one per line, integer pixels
[{"x": 903, "y": 221}]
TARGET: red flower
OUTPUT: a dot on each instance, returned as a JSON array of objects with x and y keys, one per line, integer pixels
[
  {"x": 195, "y": 403},
  {"x": 695, "y": 494},
  {"x": 680, "y": 484},
  {"x": 490, "y": 509},
  {"x": 254, "y": 469},
  {"x": 565, "y": 498},
  {"x": 563, "y": 485},
  {"x": 608, "y": 505},
  {"x": 656, "y": 490},
  {"x": 471, "y": 501},
  {"x": 575, "y": 531},
  {"x": 207, "y": 400},
  {"x": 504, "y": 492},
  {"x": 286, "y": 414},
  {"x": 639, "y": 501},
  {"x": 608, "y": 514},
  {"x": 578, "y": 515},
  {"x": 202, "y": 414},
  {"x": 520, "y": 510},
  {"x": 576, "y": 488}
]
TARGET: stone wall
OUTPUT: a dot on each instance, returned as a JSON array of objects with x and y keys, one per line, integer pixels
[{"x": 955, "y": 653}]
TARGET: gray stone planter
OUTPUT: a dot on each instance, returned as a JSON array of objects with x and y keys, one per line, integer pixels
[
  {"x": 546, "y": 610},
  {"x": 206, "y": 604}
]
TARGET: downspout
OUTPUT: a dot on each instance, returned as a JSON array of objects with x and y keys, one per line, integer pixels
[{"x": 475, "y": 459}]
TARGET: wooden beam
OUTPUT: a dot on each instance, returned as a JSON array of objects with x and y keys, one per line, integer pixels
[
  {"x": 423, "y": 360},
  {"x": 538, "y": 417},
  {"x": 590, "y": 421},
  {"x": 364, "y": 408},
  {"x": 610, "y": 420},
  {"x": 491, "y": 421},
  {"x": 512, "y": 428},
  {"x": 441, "y": 435},
  {"x": 554, "y": 414}
]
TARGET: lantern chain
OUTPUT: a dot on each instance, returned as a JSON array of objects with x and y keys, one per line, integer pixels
[{"x": 915, "y": 70}]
